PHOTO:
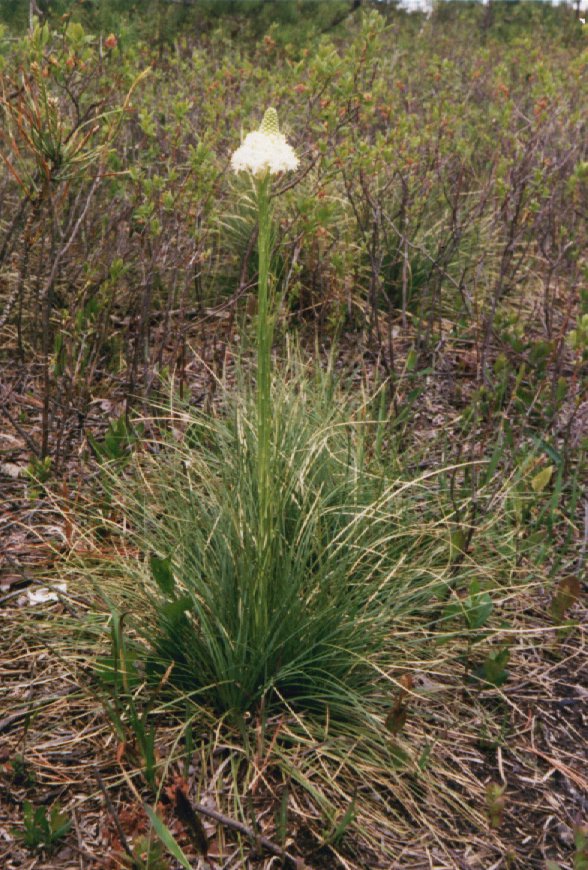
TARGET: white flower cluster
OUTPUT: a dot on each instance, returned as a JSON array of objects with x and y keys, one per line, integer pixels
[{"x": 265, "y": 150}]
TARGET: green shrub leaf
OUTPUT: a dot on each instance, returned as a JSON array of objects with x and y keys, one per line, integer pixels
[
  {"x": 540, "y": 480},
  {"x": 162, "y": 573}
]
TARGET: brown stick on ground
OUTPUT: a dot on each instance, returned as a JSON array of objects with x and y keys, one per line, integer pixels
[
  {"x": 233, "y": 824},
  {"x": 110, "y": 807}
]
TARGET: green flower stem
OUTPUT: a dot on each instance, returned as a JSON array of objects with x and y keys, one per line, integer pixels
[{"x": 264, "y": 409}]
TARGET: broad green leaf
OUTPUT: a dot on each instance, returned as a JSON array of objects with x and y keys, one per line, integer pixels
[
  {"x": 60, "y": 824},
  {"x": 411, "y": 360},
  {"x": 478, "y": 607},
  {"x": 493, "y": 670},
  {"x": 457, "y": 543},
  {"x": 162, "y": 573},
  {"x": 540, "y": 481}
]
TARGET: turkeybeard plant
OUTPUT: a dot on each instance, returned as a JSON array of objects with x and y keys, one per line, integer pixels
[
  {"x": 264, "y": 153},
  {"x": 282, "y": 555}
]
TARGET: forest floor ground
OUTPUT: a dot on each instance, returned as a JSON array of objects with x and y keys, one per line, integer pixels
[{"x": 56, "y": 744}]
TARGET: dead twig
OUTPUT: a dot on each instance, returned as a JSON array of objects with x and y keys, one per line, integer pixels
[
  {"x": 23, "y": 434},
  {"x": 234, "y": 825},
  {"x": 111, "y": 809}
]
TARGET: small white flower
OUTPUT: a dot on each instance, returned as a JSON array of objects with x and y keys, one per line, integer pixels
[{"x": 265, "y": 150}]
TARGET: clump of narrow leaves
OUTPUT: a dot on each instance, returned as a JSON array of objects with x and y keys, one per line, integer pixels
[{"x": 306, "y": 619}]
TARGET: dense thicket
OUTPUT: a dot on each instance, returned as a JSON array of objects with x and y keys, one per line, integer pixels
[{"x": 441, "y": 197}]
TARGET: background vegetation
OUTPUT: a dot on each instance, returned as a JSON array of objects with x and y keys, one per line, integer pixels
[{"x": 428, "y": 445}]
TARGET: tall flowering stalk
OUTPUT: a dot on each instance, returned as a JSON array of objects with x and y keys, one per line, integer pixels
[
  {"x": 264, "y": 153},
  {"x": 264, "y": 348}
]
